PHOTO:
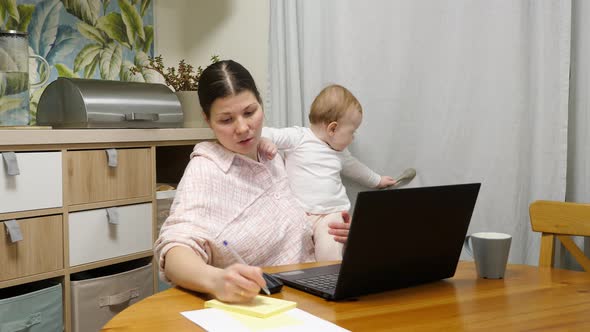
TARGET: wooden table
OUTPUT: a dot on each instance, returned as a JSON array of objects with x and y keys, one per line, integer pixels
[{"x": 529, "y": 298}]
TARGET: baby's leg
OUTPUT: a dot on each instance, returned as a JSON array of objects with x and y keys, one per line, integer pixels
[{"x": 326, "y": 249}]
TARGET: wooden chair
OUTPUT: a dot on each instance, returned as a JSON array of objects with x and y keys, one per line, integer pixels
[{"x": 560, "y": 219}]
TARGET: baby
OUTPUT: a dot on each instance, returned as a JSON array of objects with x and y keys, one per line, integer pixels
[{"x": 316, "y": 156}]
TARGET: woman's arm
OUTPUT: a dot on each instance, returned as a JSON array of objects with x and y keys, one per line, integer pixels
[{"x": 236, "y": 283}]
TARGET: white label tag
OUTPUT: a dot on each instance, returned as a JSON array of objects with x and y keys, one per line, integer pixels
[
  {"x": 11, "y": 163},
  {"x": 13, "y": 230},
  {"x": 113, "y": 215},
  {"x": 112, "y": 156}
]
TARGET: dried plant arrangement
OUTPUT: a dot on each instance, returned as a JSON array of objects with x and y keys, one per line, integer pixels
[{"x": 182, "y": 79}]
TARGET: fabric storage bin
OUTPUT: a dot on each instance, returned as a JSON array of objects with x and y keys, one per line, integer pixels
[
  {"x": 99, "y": 294},
  {"x": 164, "y": 201},
  {"x": 162, "y": 286},
  {"x": 34, "y": 307}
]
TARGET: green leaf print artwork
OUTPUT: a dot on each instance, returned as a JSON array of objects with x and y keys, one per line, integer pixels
[{"x": 97, "y": 39}]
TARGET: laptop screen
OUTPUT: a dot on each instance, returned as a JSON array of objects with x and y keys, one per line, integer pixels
[{"x": 404, "y": 237}]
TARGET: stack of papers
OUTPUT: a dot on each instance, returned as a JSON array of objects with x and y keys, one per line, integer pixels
[{"x": 263, "y": 314}]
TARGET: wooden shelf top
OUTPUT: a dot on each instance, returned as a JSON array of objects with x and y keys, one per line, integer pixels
[{"x": 19, "y": 137}]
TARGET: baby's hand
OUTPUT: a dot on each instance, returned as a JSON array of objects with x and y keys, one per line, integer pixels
[
  {"x": 386, "y": 181},
  {"x": 267, "y": 148}
]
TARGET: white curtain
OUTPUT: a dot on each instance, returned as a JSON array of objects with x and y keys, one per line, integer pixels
[
  {"x": 578, "y": 173},
  {"x": 461, "y": 90},
  {"x": 285, "y": 49}
]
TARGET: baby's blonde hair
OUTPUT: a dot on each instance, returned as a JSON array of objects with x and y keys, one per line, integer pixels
[{"x": 332, "y": 103}]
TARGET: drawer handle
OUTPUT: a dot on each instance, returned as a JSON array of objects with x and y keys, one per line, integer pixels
[
  {"x": 142, "y": 116},
  {"x": 21, "y": 325},
  {"x": 112, "y": 157},
  {"x": 118, "y": 298},
  {"x": 13, "y": 230},
  {"x": 11, "y": 163}
]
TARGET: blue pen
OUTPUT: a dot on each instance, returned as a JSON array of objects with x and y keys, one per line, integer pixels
[{"x": 240, "y": 260}]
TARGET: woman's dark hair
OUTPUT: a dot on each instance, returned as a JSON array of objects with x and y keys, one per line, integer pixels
[{"x": 222, "y": 79}]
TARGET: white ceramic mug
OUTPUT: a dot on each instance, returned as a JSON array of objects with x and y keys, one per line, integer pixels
[{"x": 490, "y": 252}]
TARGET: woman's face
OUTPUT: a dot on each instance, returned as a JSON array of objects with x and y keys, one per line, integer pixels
[{"x": 237, "y": 123}]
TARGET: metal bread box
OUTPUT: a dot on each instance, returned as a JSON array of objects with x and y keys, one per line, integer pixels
[{"x": 85, "y": 103}]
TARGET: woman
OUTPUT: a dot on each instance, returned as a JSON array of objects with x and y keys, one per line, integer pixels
[{"x": 230, "y": 193}]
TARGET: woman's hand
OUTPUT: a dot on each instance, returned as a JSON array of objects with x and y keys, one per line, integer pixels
[
  {"x": 340, "y": 229},
  {"x": 235, "y": 283},
  {"x": 238, "y": 283}
]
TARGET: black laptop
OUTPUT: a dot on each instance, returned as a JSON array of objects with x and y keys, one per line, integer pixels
[{"x": 398, "y": 238}]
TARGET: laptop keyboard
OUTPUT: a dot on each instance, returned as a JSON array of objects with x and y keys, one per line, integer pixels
[{"x": 323, "y": 282}]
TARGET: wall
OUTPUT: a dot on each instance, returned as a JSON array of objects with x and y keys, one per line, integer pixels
[{"x": 196, "y": 29}]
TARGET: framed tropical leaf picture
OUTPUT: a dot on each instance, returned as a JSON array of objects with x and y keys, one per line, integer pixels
[{"x": 98, "y": 39}]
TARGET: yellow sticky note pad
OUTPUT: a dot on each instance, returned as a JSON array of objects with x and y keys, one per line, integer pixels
[
  {"x": 282, "y": 320},
  {"x": 261, "y": 306}
]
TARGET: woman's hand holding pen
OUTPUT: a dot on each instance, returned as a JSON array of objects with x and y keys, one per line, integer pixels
[
  {"x": 340, "y": 229},
  {"x": 235, "y": 283},
  {"x": 238, "y": 283}
]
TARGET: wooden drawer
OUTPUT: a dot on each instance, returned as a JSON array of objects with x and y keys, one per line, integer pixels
[
  {"x": 41, "y": 249},
  {"x": 91, "y": 180},
  {"x": 93, "y": 238},
  {"x": 38, "y": 186}
]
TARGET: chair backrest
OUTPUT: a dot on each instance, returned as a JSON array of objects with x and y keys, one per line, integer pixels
[{"x": 560, "y": 219}]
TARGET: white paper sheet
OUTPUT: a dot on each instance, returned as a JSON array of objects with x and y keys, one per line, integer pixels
[{"x": 214, "y": 320}]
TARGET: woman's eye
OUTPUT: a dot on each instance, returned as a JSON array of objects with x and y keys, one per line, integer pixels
[
  {"x": 228, "y": 120},
  {"x": 248, "y": 113}
]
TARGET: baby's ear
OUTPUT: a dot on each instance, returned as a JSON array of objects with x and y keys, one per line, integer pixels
[{"x": 331, "y": 128}]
